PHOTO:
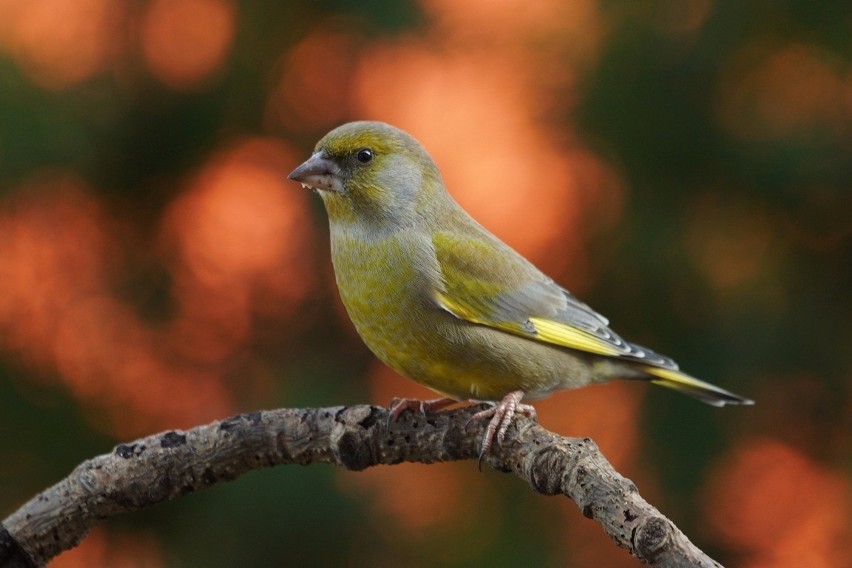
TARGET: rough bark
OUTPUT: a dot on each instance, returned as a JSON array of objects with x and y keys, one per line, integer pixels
[{"x": 170, "y": 464}]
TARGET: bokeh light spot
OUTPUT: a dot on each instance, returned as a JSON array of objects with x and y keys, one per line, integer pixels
[
  {"x": 241, "y": 247},
  {"x": 185, "y": 41},
  {"x": 117, "y": 549},
  {"x": 779, "y": 507},
  {"x": 59, "y": 43},
  {"x": 311, "y": 90},
  {"x": 772, "y": 92}
]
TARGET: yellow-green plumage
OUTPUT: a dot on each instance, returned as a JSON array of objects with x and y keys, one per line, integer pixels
[{"x": 443, "y": 301}]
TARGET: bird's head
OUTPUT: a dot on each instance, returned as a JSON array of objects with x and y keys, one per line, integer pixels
[{"x": 372, "y": 172}]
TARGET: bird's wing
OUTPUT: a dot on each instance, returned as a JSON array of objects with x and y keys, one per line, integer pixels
[{"x": 485, "y": 282}]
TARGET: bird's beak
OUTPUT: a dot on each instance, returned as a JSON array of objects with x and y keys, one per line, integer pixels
[{"x": 318, "y": 172}]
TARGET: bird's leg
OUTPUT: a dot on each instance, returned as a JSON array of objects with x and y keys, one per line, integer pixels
[
  {"x": 399, "y": 405},
  {"x": 501, "y": 415}
]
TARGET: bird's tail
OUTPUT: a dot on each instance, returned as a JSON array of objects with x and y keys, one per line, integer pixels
[{"x": 704, "y": 392}]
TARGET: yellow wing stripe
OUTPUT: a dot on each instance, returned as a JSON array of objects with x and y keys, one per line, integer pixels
[
  {"x": 547, "y": 330},
  {"x": 567, "y": 336}
]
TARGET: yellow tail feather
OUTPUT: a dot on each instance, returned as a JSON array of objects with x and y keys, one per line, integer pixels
[{"x": 682, "y": 382}]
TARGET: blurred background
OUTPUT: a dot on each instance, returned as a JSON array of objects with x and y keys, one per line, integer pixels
[{"x": 684, "y": 166}]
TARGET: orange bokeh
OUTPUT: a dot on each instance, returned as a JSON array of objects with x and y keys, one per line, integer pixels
[
  {"x": 55, "y": 242},
  {"x": 59, "y": 43},
  {"x": 609, "y": 414},
  {"x": 312, "y": 87},
  {"x": 114, "y": 549},
  {"x": 547, "y": 44},
  {"x": 239, "y": 245},
  {"x": 422, "y": 497},
  {"x": 184, "y": 42},
  {"x": 585, "y": 544},
  {"x": 773, "y": 92},
  {"x": 537, "y": 32},
  {"x": 425, "y": 504},
  {"x": 241, "y": 216},
  {"x": 777, "y": 507},
  {"x": 240, "y": 241},
  {"x": 57, "y": 313}
]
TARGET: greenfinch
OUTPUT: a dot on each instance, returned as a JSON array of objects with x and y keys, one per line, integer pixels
[{"x": 444, "y": 302}]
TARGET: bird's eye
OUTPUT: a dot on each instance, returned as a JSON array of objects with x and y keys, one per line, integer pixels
[{"x": 365, "y": 155}]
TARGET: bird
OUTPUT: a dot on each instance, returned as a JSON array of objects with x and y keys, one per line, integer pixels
[{"x": 444, "y": 302}]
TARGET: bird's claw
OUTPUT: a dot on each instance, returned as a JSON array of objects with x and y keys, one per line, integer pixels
[{"x": 501, "y": 415}]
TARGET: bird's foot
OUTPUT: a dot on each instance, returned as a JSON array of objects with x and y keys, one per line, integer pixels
[
  {"x": 501, "y": 415},
  {"x": 399, "y": 405}
]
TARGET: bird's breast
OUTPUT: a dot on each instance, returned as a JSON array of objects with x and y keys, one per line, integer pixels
[{"x": 384, "y": 285}]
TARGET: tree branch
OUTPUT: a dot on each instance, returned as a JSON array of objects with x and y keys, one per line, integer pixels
[{"x": 170, "y": 464}]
